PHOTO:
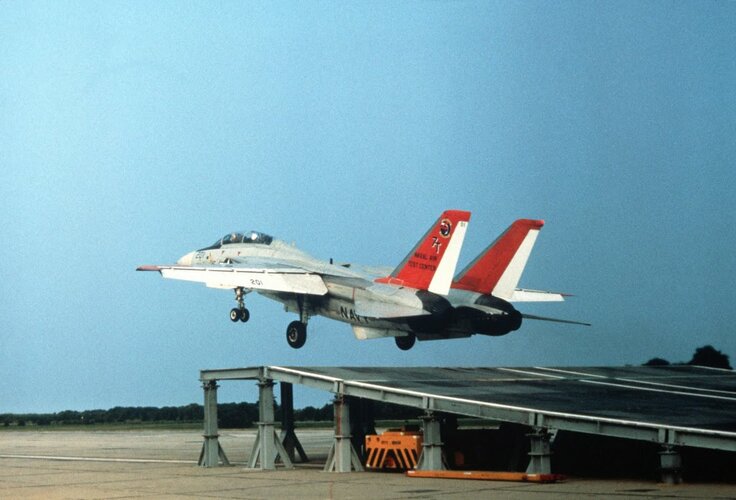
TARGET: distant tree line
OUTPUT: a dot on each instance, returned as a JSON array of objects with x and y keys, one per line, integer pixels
[
  {"x": 229, "y": 415},
  {"x": 704, "y": 356},
  {"x": 117, "y": 415}
]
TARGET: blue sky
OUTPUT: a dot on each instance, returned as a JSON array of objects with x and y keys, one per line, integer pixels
[{"x": 134, "y": 132}]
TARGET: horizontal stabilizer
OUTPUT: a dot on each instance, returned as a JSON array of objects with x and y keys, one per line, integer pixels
[
  {"x": 523, "y": 295},
  {"x": 543, "y": 318},
  {"x": 281, "y": 280}
]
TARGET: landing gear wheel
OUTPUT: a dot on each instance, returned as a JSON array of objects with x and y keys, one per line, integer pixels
[
  {"x": 405, "y": 343},
  {"x": 296, "y": 334},
  {"x": 238, "y": 314}
]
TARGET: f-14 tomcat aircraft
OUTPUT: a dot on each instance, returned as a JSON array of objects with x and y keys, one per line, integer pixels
[{"x": 419, "y": 299}]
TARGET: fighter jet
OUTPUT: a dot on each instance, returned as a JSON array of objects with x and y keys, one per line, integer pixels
[{"x": 419, "y": 299}]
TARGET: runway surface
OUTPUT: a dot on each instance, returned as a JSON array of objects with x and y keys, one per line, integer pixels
[{"x": 162, "y": 464}]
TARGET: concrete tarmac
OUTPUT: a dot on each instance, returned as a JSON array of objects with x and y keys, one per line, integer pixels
[{"x": 162, "y": 464}]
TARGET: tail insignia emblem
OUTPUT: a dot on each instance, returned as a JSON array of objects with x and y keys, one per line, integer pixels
[{"x": 445, "y": 228}]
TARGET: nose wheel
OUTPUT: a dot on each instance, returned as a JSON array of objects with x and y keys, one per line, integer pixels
[{"x": 239, "y": 313}]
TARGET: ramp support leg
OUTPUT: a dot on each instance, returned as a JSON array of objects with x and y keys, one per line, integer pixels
[
  {"x": 212, "y": 453},
  {"x": 362, "y": 423},
  {"x": 540, "y": 461},
  {"x": 267, "y": 447},
  {"x": 288, "y": 436},
  {"x": 670, "y": 464},
  {"x": 342, "y": 456},
  {"x": 431, "y": 456}
]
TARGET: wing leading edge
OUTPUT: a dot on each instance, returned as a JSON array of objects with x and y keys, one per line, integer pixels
[{"x": 278, "y": 280}]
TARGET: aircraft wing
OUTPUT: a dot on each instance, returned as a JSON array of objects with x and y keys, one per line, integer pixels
[{"x": 277, "y": 279}]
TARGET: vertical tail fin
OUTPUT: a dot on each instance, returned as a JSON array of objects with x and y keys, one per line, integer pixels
[
  {"x": 431, "y": 263},
  {"x": 498, "y": 268}
]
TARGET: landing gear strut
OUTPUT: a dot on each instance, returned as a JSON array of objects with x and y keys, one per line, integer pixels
[{"x": 239, "y": 313}]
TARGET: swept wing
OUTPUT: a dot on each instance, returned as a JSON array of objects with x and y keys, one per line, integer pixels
[{"x": 275, "y": 278}]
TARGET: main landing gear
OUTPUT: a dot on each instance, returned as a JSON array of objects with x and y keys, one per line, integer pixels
[
  {"x": 296, "y": 332},
  {"x": 239, "y": 313}
]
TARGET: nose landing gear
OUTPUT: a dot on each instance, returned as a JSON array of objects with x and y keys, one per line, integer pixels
[{"x": 239, "y": 313}]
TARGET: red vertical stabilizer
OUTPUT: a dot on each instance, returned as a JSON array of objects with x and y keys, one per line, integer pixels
[
  {"x": 431, "y": 264},
  {"x": 498, "y": 268}
]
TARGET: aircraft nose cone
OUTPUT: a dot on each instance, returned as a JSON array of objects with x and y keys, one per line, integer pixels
[{"x": 186, "y": 260}]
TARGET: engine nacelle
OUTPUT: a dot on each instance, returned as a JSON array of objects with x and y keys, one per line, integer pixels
[
  {"x": 494, "y": 317},
  {"x": 504, "y": 318},
  {"x": 497, "y": 324}
]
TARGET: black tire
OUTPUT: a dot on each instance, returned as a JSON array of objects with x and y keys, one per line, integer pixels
[
  {"x": 405, "y": 343},
  {"x": 244, "y": 315},
  {"x": 296, "y": 334},
  {"x": 235, "y": 315}
]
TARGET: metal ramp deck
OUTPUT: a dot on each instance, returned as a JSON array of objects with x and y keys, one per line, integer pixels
[{"x": 674, "y": 406}]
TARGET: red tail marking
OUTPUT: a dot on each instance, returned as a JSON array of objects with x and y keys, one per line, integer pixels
[
  {"x": 419, "y": 266},
  {"x": 483, "y": 273}
]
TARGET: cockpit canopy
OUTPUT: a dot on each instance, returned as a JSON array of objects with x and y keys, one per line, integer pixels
[{"x": 246, "y": 237}]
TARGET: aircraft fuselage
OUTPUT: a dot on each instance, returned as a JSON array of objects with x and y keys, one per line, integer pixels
[{"x": 421, "y": 298}]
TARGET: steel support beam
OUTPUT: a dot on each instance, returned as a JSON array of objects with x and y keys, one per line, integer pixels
[
  {"x": 670, "y": 465},
  {"x": 362, "y": 423},
  {"x": 288, "y": 436},
  {"x": 540, "y": 456},
  {"x": 431, "y": 457},
  {"x": 342, "y": 456},
  {"x": 212, "y": 453},
  {"x": 267, "y": 448}
]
